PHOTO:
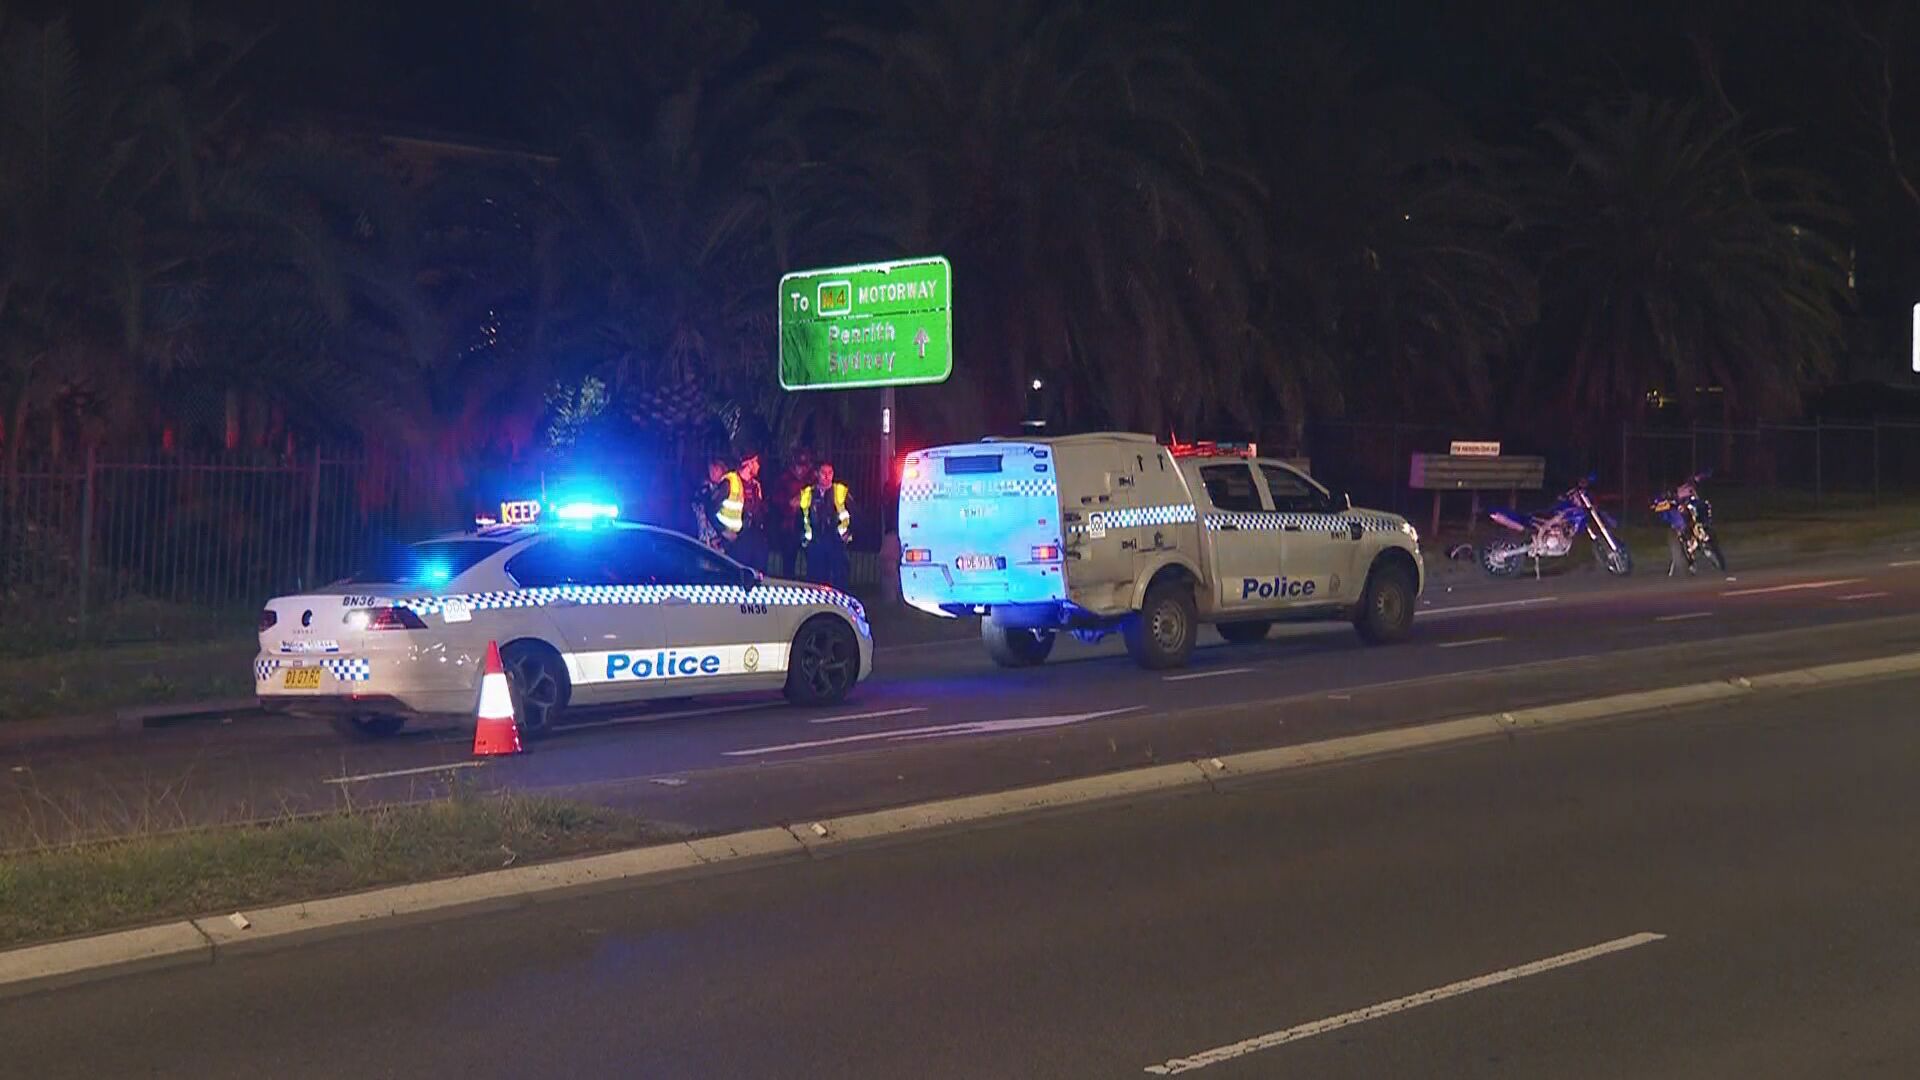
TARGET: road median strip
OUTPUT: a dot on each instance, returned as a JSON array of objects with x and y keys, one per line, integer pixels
[{"x": 204, "y": 940}]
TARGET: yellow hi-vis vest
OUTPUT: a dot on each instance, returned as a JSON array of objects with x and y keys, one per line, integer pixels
[
  {"x": 844, "y": 519},
  {"x": 733, "y": 509}
]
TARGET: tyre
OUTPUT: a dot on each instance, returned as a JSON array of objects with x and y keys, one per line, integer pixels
[
  {"x": 1160, "y": 635},
  {"x": 1385, "y": 614},
  {"x": 1503, "y": 558},
  {"x": 369, "y": 727},
  {"x": 1013, "y": 647},
  {"x": 1711, "y": 545},
  {"x": 825, "y": 662},
  {"x": 1242, "y": 633},
  {"x": 1617, "y": 561},
  {"x": 538, "y": 680}
]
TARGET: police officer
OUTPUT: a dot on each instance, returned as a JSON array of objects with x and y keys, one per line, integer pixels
[
  {"x": 827, "y": 527},
  {"x": 706, "y": 504},
  {"x": 742, "y": 514}
]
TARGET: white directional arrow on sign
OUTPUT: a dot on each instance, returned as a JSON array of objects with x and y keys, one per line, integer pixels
[
  {"x": 942, "y": 731},
  {"x": 921, "y": 340}
]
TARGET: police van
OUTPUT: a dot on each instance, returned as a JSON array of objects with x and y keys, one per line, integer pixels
[
  {"x": 1115, "y": 532},
  {"x": 586, "y": 609}
]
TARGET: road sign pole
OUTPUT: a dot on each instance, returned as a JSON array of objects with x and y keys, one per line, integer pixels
[{"x": 889, "y": 425}]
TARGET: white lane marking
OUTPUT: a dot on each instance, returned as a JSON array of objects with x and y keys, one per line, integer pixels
[
  {"x": 939, "y": 731},
  {"x": 1863, "y": 595},
  {"x": 1795, "y": 587},
  {"x": 1683, "y": 615},
  {"x": 1470, "y": 641},
  {"x": 1206, "y": 674},
  {"x": 869, "y": 715},
  {"x": 403, "y": 772},
  {"x": 1388, "y": 1008},
  {"x": 647, "y": 718},
  {"x": 1431, "y": 612},
  {"x": 1905, "y": 562}
]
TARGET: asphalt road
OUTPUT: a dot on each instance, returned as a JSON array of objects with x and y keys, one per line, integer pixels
[
  {"x": 938, "y": 719},
  {"x": 1724, "y": 892}
]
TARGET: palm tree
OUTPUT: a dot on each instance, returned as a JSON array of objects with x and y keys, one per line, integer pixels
[
  {"x": 1394, "y": 283},
  {"x": 1077, "y": 171},
  {"x": 1673, "y": 258}
]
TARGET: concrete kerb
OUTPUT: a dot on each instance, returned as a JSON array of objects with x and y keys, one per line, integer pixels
[{"x": 204, "y": 940}]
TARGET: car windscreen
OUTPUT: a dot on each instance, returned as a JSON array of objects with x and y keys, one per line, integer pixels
[{"x": 425, "y": 565}]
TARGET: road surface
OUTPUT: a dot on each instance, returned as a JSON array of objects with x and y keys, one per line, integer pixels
[
  {"x": 939, "y": 720},
  {"x": 1721, "y": 892}
]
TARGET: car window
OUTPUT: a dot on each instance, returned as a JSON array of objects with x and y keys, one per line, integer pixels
[
  {"x": 1292, "y": 493},
  {"x": 1231, "y": 487},
  {"x": 567, "y": 559},
  {"x": 656, "y": 558}
]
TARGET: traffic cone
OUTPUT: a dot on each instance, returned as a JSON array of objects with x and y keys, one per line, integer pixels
[{"x": 495, "y": 730}]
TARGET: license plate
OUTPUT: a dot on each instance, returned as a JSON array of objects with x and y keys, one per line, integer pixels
[
  {"x": 976, "y": 562},
  {"x": 300, "y": 678}
]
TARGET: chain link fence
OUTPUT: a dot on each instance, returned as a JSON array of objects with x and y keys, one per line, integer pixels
[{"x": 107, "y": 548}]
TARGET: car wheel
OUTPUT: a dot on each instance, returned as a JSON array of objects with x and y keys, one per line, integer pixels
[
  {"x": 538, "y": 679},
  {"x": 369, "y": 727},
  {"x": 1160, "y": 635},
  {"x": 825, "y": 662},
  {"x": 1015, "y": 647},
  {"x": 1386, "y": 607},
  {"x": 1242, "y": 633}
]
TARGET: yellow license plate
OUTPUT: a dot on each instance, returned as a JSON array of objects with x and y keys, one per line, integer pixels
[{"x": 301, "y": 678}]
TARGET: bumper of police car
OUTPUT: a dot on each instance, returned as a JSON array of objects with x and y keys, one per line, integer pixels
[{"x": 417, "y": 682}]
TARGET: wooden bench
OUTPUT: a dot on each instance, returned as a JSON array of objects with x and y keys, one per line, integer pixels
[{"x": 1441, "y": 473}]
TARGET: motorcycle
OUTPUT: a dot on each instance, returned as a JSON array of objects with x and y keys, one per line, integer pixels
[
  {"x": 1690, "y": 516},
  {"x": 1549, "y": 534}
]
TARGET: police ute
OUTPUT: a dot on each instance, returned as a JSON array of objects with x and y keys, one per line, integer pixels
[
  {"x": 1093, "y": 534},
  {"x": 586, "y": 609}
]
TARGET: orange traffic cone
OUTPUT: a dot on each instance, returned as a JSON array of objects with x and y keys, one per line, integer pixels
[{"x": 495, "y": 731}]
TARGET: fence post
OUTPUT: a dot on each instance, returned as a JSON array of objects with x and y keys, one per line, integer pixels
[
  {"x": 312, "y": 565},
  {"x": 86, "y": 540},
  {"x": 1819, "y": 466}
]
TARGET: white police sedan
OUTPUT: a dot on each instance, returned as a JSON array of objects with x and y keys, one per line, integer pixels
[{"x": 586, "y": 610}]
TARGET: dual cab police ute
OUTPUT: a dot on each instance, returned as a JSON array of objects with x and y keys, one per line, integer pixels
[
  {"x": 587, "y": 610},
  {"x": 1097, "y": 533}
]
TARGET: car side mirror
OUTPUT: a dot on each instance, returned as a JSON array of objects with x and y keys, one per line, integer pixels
[
  {"x": 749, "y": 578},
  {"x": 1345, "y": 499}
]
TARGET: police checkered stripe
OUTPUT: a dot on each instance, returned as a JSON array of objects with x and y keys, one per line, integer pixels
[
  {"x": 349, "y": 669},
  {"x": 264, "y": 669},
  {"x": 783, "y": 595},
  {"x": 1032, "y": 487},
  {"x": 1327, "y": 523},
  {"x": 1134, "y": 517}
]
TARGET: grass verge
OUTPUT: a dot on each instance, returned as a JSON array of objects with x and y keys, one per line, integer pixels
[
  {"x": 99, "y": 680},
  {"x": 55, "y": 894}
]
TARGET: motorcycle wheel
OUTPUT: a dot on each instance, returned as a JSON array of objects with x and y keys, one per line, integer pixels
[
  {"x": 1618, "y": 561},
  {"x": 1711, "y": 545},
  {"x": 1503, "y": 558}
]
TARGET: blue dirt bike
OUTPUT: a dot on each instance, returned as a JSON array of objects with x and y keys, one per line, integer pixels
[
  {"x": 1690, "y": 517},
  {"x": 1550, "y": 534}
]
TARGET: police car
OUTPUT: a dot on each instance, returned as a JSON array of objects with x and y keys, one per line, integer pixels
[
  {"x": 587, "y": 610},
  {"x": 1114, "y": 532}
]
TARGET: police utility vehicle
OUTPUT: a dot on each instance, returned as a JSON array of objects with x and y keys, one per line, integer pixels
[
  {"x": 1104, "y": 532},
  {"x": 587, "y": 610}
]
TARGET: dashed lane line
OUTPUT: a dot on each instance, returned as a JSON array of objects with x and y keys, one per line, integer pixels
[
  {"x": 1470, "y": 641},
  {"x": 882, "y": 714},
  {"x": 1206, "y": 674},
  {"x": 1683, "y": 616},
  {"x": 1497, "y": 605},
  {"x": 448, "y": 767},
  {"x": 1272, "y": 1039},
  {"x": 1863, "y": 595},
  {"x": 1798, "y": 586}
]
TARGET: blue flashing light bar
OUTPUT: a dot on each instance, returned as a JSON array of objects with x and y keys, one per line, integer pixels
[{"x": 585, "y": 512}]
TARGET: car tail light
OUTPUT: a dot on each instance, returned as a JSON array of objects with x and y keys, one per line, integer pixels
[
  {"x": 385, "y": 618},
  {"x": 267, "y": 619},
  {"x": 917, "y": 555},
  {"x": 1046, "y": 553}
]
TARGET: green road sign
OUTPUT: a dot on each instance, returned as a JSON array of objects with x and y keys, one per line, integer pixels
[{"x": 882, "y": 324}]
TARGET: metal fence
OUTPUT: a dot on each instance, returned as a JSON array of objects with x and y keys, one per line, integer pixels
[{"x": 84, "y": 539}]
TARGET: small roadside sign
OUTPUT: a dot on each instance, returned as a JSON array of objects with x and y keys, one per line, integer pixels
[
  {"x": 1468, "y": 448},
  {"x": 877, "y": 324}
]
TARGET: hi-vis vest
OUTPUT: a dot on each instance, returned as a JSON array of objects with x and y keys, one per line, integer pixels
[
  {"x": 844, "y": 519},
  {"x": 733, "y": 509}
]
